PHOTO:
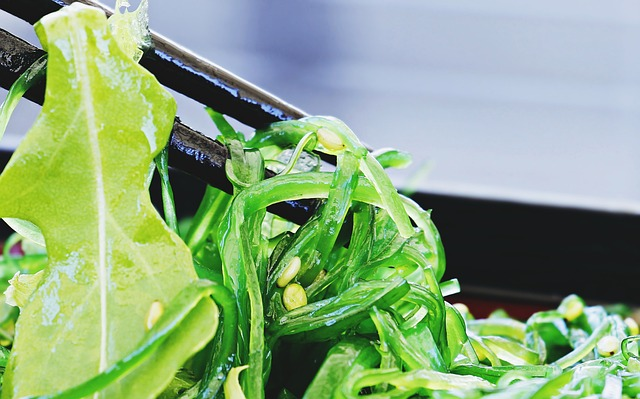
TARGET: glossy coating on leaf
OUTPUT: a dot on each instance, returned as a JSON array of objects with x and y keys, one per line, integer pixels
[{"x": 79, "y": 175}]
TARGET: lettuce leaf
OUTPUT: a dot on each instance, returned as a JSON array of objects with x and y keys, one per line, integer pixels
[{"x": 79, "y": 176}]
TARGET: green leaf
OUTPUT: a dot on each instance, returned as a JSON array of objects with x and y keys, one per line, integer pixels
[
  {"x": 26, "y": 229},
  {"x": 79, "y": 175},
  {"x": 21, "y": 286},
  {"x": 131, "y": 28},
  {"x": 175, "y": 324}
]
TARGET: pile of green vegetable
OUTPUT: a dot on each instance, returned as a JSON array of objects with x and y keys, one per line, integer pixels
[{"x": 105, "y": 299}]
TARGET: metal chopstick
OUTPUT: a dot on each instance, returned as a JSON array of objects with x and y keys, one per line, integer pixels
[{"x": 186, "y": 72}]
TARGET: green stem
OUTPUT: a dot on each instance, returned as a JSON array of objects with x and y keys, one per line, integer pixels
[
  {"x": 624, "y": 347},
  {"x": 388, "y": 194},
  {"x": 334, "y": 211},
  {"x": 583, "y": 349},
  {"x": 297, "y": 152},
  {"x": 214, "y": 203},
  {"x": 31, "y": 76},
  {"x": 168, "y": 204},
  {"x": 430, "y": 233},
  {"x": 222, "y": 359},
  {"x": 227, "y": 131}
]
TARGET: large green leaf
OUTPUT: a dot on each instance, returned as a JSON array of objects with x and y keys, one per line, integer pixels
[{"x": 79, "y": 175}]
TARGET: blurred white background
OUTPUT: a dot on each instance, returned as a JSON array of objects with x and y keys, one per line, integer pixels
[{"x": 536, "y": 101}]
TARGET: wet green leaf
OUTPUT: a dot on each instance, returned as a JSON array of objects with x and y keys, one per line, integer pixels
[
  {"x": 21, "y": 286},
  {"x": 131, "y": 28},
  {"x": 79, "y": 175}
]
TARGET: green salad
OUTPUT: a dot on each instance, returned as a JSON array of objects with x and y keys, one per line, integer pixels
[{"x": 106, "y": 298}]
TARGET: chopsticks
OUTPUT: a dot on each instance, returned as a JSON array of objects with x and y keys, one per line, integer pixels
[{"x": 185, "y": 72}]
